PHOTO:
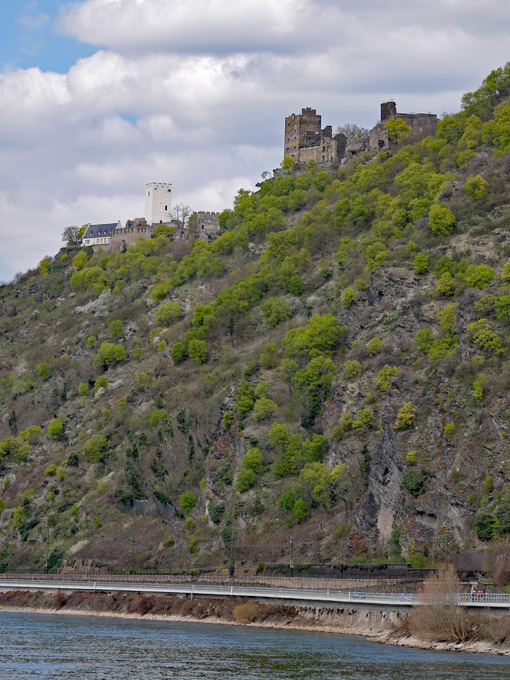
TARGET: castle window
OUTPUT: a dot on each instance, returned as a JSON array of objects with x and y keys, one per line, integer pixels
[
  {"x": 148, "y": 193},
  {"x": 381, "y": 143},
  {"x": 166, "y": 207},
  {"x": 161, "y": 221}
]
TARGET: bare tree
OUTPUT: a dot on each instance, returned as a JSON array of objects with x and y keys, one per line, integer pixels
[
  {"x": 181, "y": 214},
  {"x": 354, "y": 132},
  {"x": 70, "y": 235}
]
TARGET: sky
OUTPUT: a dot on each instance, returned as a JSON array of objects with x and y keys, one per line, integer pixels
[{"x": 100, "y": 97}]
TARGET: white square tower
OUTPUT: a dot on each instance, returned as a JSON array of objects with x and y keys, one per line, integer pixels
[{"x": 158, "y": 203}]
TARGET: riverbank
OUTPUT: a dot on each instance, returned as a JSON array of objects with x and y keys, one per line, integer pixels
[{"x": 378, "y": 626}]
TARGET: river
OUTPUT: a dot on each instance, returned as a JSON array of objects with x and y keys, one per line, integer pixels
[{"x": 46, "y": 647}]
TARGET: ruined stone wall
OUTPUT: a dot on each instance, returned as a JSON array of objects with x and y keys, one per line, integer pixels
[
  {"x": 296, "y": 127},
  {"x": 128, "y": 236}
]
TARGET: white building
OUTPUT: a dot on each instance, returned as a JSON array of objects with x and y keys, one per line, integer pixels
[
  {"x": 158, "y": 203},
  {"x": 99, "y": 234}
]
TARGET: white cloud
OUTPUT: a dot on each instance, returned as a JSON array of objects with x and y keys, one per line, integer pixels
[{"x": 195, "y": 94}]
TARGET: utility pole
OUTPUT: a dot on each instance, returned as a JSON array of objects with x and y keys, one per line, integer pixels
[
  {"x": 291, "y": 563},
  {"x": 133, "y": 546}
]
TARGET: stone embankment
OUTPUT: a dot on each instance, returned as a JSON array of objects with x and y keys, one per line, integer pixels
[{"x": 380, "y": 626}]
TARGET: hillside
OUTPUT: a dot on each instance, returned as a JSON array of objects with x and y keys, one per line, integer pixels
[{"x": 334, "y": 369}]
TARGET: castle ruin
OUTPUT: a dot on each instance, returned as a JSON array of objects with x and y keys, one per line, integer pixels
[{"x": 305, "y": 140}]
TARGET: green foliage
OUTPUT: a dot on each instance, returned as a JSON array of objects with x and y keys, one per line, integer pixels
[
  {"x": 276, "y": 311},
  {"x": 96, "y": 448},
  {"x": 197, "y": 351},
  {"x": 421, "y": 263},
  {"x": 374, "y": 345},
  {"x": 405, "y": 417},
  {"x": 322, "y": 335},
  {"x": 51, "y": 470},
  {"x": 245, "y": 398},
  {"x": 55, "y": 429},
  {"x": 107, "y": 355},
  {"x": 413, "y": 482},
  {"x": 475, "y": 187},
  {"x": 362, "y": 422},
  {"x": 161, "y": 290},
  {"x": 246, "y": 479},
  {"x": 477, "y": 388},
  {"x": 269, "y": 355},
  {"x": 187, "y": 501},
  {"x": 216, "y": 512},
  {"x": 91, "y": 341},
  {"x": 351, "y": 369},
  {"x": 441, "y": 220},
  {"x": 385, "y": 377},
  {"x": 480, "y": 276},
  {"x": 228, "y": 420},
  {"x": 158, "y": 418},
  {"x": 83, "y": 388},
  {"x": 264, "y": 408},
  {"x": 484, "y": 337},
  {"x": 168, "y": 313},
  {"x": 294, "y": 452},
  {"x": 178, "y": 353},
  {"x": 411, "y": 457},
  {"x": 101, "y": 382},
  {"x": 44, "y": 371},
  {"x": 488, "y": 485},
  {"x": 116, "y": 329},
  {"x": 505, "y": 273},
  {"x": 497, "y": 131},
  {"x": 485, "y": 526},
  {"x": 44, "y": 267},
  {"x": 449, "y": 429},
  {"x": 300, "y": 511},
  {"x": 80, "y": 260},
  {"x": 253, "y": 460},
  {"x": 349, "y": 297},
  {"x": 398, "y": 130}
]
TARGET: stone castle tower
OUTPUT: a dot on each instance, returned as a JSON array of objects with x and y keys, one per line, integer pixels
[
  {"x": 306, "y": 141},
  {"x": 158, "y": 203}
]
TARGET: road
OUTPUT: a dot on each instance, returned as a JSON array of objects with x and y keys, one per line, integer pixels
[{"x": 315, "y": 595}]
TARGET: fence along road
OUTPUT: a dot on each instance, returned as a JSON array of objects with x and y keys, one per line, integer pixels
[{"x": 499, "y": 601}]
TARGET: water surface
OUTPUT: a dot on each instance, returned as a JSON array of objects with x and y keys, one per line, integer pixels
[{"x": 46, "y": 647}]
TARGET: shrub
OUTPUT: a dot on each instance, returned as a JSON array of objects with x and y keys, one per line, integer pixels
[
  {"x": 216, "y": 512},
  {"x": 264, "y": 408},
  {"x": 116, "y": 329},
  {"x": 269, "y": 355},
  {"x": 413, "y": 482},
  {"x": 349, "y": 298},
  {"x": 55, "y": 429},
  {"x": 107, "y": 355},
  {"x": 51, "y": 470},
  {"x": 83, "y": 388},
  {"x": 488, "y": 485},
  {"x": 411, "y": 458},
  {"x": 449, "y": 429},
  {"x": 80, "y": 260},
  {"x": 480, "y": 276},
  {"x": 197, "y": 351},
  {"x": 188, "y": 501},
  {"x": 421, "y": 263},
  {"x": 253, "y": 460},
  {"x": 96, "y": 448},
  {"x": 405, "y": 417},
  {"x": 484, "y": 337},
  {"x": 168, "y": 313},
  {"x": 475, "y": 187},
  {"x": 477, "y": 388},
  {"x": 101, "y": 382},
  {"x": 228, "y": 420},
  {"x": 178, "y": 352},
  {"x": 446, "y": 285},
  {"x": 441, "y": 220},
  {"x": 44, "y": 371},
  {"x": 160, "y": 290},
  {"x": 485, "y": 526},
  {"x": 385, "y": 377},
  {"x": 276, "y": 311},
  {"x": 90, "y": 341},
  {"x": 246, "y": 479},
  {"x": 374, "y": 345},
  {"x": 505, "y": 273},
  {"x": 158, "y": 417},
  {"x": 351, "y": 369}
]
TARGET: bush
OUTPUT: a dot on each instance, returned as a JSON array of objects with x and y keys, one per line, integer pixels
[
  {"x": 264, "y": 408},
  {"x": 413, "y": 482},
  {"x": 484, "y": 337},
  {"x": 55, "y": 429},
  {"x": 246, "y": 479},
  {"x": 505, "y": 273},
  {"x": 349, "y": 298},
  {"x": 385, "y": 377},
  {"x": 449, "y": 429},
  {"x": 276, "y": 311},
  {"x": 480, "y": 276},
  {"x": 300, "y": 510},
  {"x": 96, "y": 448},
  {"x": 44, "y": 371},
  {"x": 351, "y": 369},
  {"x": 188, "y": 501},
  {"x": 375, "y": 345},
  {"x": 168, "y": 313},
  {"x": 158, "y": 417},
  {"x": 269, "y": 355},
  {"x": 441, "y": 220},
  {"x": 107, "y": 355},
  {"x": 411, "y": 458},
  {"x": 160, "y": 290},
  {"x": 475, "y": 187},
  {"x": 405, "y": 417},
  {"x": 216, "y": 512},
  {"x": 115, "y": 329},
  {"x": 197, "y": 351},
  {"x": 101, "y": 382},
  {"x": 421, "y": 263},
  {"x": 178, "y": 352},
  {"x": 253, "y": 460},
  {"x": 485, "y": 526}
]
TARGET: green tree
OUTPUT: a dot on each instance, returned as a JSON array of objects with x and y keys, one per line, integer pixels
[
  {"x": 264, "y": 408},
  {"x": 475, "y": 187},
  {"x": 441, "y": 220},
  {"x": 115, "y": 329},
  {"x": 107, "y": 355},
  {"x": 168, "y": 313},
  {"x": 405, "y": 417},
  {"x": 276, "y": 311},
  {"x": 398, "y": 130},
  {"x": 44, "y": 371},
  {"x": 421, "y": 263},
  {"x": 197, "y": 351},
  {"x": 55, "y": 429},
  {"x": 96, "y": 448},
  {"x": 188, "y": 501},
  {"x": 178, "y": 352}
]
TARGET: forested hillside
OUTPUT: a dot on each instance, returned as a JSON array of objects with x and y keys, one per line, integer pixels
[{"x": 334, "y": 368}]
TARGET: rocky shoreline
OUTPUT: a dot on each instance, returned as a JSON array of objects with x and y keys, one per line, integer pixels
[{"x": 381, "y": 627}]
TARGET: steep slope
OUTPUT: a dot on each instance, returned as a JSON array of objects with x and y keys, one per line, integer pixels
[{"x": 333, "y": 369}]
